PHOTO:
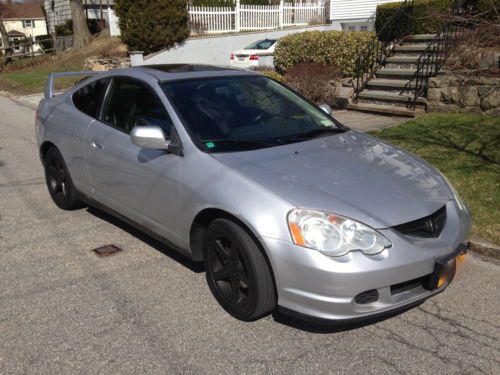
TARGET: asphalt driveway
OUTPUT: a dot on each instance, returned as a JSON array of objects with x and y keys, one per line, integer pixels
[{"x": 148, "y": 310}]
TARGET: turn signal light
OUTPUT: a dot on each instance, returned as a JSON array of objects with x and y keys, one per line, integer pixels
[
  {"x": 232, "y": 56},
  {"x": 254, "y": 57}
]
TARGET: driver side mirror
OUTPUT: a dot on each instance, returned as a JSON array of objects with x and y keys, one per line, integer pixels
[
  {"x": 153, "y": 138},
  {"x": 326, "y": 108}
]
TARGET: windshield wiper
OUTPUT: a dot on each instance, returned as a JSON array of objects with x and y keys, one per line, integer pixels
[
  {"x": 238, "y": 141},
  {"x": 313, "y": 134}
]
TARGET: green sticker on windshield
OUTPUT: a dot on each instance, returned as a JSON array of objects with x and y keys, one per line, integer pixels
[
  {"x": 210, "y": 144},
  {"x": 326, "y": 123}
]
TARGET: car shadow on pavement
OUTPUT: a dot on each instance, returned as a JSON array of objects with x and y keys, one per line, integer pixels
[
  {"x": 318, "y": 326},
  {"x": 300, "y": 323},
  {"x": 196, "y": 267}
]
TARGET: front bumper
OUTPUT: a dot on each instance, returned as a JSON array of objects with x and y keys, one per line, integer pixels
[{"x": 323, "y": 287}]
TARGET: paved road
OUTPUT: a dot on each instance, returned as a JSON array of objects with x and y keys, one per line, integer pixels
[{"x": 147, "y": 310}]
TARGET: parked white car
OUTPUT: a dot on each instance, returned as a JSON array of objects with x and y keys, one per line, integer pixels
[{"x": 250, "y": 55}]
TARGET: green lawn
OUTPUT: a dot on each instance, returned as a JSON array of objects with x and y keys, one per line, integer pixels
[
  {"x": 466, "y": 148},
  {"x": 27, "y": 79},
  {"x": 31, "y": 82}
]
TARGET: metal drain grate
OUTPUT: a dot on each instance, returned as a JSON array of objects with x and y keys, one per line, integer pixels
[{"x": 106, "y": 251}]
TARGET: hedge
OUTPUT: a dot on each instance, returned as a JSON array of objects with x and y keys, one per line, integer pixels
[
  {"x": 152, "y": 25},
  {"x": 335, "y": 48},
  {"x": 424, "y": 16},
  {"x": 66, "y": 28}
]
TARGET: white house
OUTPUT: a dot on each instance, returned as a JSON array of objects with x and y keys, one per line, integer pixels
[
  {"x": 59, "y": 11},
  {"x": 354, "y": 15},
  {"x": 23, "y": 21}
]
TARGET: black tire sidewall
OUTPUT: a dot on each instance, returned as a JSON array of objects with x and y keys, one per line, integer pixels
[
  {"x": 261, "y": 300},
  {"x": 68, "y": 201}
]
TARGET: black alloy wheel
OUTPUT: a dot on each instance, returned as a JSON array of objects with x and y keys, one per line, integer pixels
[
  {"x": 59, "y": 181},
  {"x": 237, "y": 272}
]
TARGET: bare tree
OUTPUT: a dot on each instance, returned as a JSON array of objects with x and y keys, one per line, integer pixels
[
  {"x": 5, "y": 38},
  {"x": 80, "y": 28}
]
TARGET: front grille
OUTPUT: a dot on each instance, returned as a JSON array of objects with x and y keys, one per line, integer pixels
[
  {"x": 366, "y": 297},
  {"x": 429, "y": 226}
]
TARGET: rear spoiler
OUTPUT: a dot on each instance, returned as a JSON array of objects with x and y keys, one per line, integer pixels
[{"x": 49, "y": 87}]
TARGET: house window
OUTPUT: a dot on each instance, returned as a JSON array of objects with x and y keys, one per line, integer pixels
[
  {"x": 363, "y": 28},
  {"x": 351, "y": 28},
  {"x": 28, "y": 23}
]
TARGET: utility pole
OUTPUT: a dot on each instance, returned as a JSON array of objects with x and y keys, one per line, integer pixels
[{"x": 101, "y": 16}]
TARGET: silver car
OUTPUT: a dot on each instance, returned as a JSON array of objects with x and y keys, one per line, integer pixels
[{"x": 285, "y": 206}]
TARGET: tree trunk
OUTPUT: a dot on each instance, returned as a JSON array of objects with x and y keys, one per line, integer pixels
[
  {"x": 3, "y": 33},
  {"x": 80, "y": 28},
  {"x": 5, "y": 41}
]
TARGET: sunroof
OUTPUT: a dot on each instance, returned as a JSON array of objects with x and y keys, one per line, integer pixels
[{"x": 184, "y": 68}]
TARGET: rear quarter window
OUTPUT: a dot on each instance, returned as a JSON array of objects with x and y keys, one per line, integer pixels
[{"x": 90, "y": 97}]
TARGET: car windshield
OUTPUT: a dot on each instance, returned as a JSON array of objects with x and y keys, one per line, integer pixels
[
  {"x": 239, "y": 113},
  {"x": 261, "y": 44}
]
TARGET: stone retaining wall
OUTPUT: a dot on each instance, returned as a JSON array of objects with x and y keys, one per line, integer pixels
[
  {"x": 102, "y": 64},
  {"x": 464, "y": 92}
]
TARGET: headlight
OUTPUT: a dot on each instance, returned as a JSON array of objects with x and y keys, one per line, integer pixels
[
  {"x": 458, "y": 198},
  {"x": 334, "y": 235}
]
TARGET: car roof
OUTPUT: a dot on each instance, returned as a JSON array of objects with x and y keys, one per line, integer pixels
[{"x": 170, "y": 72}]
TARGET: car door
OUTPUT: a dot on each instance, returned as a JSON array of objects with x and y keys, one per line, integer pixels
[
  {"x": 143, "y": 185},
  {"x": 70, "y": 122}
]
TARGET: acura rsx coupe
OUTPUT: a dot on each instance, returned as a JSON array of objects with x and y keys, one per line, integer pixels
[{"x": 285, "y": 206}]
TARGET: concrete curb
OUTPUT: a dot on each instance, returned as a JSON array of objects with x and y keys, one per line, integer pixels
[
  {"x": 485, "y": 248},
  {"x": 24, "y": 100}
]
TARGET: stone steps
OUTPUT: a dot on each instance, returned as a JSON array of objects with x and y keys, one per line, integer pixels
[
  {"x": 411, "y": 49},
  {"x": 391, "y": 85},
  {"x": 396, "y": 73},
  {"x": 419, "y": 38},
  {"x": 389, "y": 98},
  {"x": 383, "y": 109},
  {"x": 392, "y": 90},
  {"x": 401, "y": 62}
]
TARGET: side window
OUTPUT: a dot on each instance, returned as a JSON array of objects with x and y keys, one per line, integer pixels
[
  {"x": 89, "y": 98},
  {"x": 133, "y": 104}
]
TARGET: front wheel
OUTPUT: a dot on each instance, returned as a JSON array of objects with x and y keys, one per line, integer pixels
[{"x": 237, "y": 272}]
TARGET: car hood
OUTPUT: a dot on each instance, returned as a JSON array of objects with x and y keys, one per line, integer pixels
[{"x": 350, "y": 174}]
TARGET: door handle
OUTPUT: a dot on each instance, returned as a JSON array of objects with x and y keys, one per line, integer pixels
[{"x": 95, "y": 144}]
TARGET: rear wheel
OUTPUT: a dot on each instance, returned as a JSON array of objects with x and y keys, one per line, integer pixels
[
  {"x": 237, "y": 272},
  {"x": 59, "y": 181}
]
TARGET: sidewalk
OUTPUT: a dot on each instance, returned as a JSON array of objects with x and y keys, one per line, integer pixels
[
  {"x": 30, "y": 101},
  {"x": 366, "y": 122}
]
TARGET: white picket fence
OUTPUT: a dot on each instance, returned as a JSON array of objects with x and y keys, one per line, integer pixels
[{"x": 241, "y": 17}]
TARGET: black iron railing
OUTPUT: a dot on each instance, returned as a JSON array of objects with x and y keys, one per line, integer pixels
[
  {"x": 377, "y": 51},
  {"x": 433, "y": 58}
]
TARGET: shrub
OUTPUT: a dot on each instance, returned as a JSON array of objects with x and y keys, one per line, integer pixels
[
  {"x": 314, "y": 81},
  {"x": 152, "y": 25},
  {"x": 46, "y": 41},
  {"x": 334, "y": 48},
  {"x": 476, "y": 50},
  {"x": 424, "y": 16},
  {"x": 271, "y": 74},
  {"x": 66, "y": 28}
]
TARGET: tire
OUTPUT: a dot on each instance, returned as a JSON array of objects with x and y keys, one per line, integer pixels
[
  {"x": 237, "y": 272},
  {"x": 59, "y": 181}
]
